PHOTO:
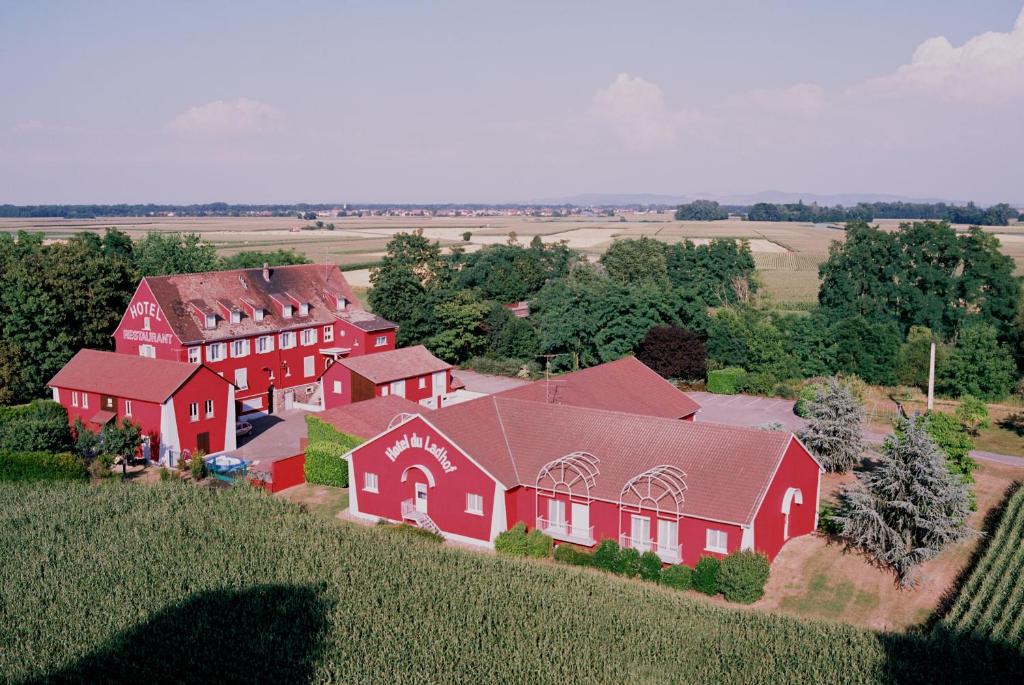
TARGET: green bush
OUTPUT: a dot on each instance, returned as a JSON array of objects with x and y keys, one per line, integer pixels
[
  {"x": 39, "y": 426},
  {"x": 101, "y": 466},
  {"x": 757, "y": 383},
  {"x": 197, "y": 466},
  {"x": 807, "y": 395},
  {"x": 726, "y": 381},
  {"x": 742, "y": 576},
  {"x": 827, "y": 523},
  {"x": 324, "y": 465},
  {"x": 679, "y": 577},
  {"x": 513, "y": 541},
  {"x": 650, "y": 566},
  {"x": 607, "y": 557},
  {"x": 538, "y": 545},
  {"x": 574, "y": 556},
  {"x": 33, "y": 466},
  {"x": 629, "y": 562},
  {"x": 705, "y": 575}
]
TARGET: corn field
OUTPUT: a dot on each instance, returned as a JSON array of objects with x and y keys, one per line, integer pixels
[
  {"x": 991, "y": 603},
  {"x": 172, "y": 583}
]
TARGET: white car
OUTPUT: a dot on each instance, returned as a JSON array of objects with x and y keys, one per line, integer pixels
[{"x": 242, "y": 428}]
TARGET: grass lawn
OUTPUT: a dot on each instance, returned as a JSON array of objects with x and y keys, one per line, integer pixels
[
  {"x": 1000, "y": 440},
  {"x": 322, "y": 500}
]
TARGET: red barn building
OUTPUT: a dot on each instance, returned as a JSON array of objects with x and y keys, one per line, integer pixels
[
  {"x": 410, "y": 372},
  {"x": 580, "y": 474},
  {"x": 178, "y": 406},
  {"x": 272, "y": 331}
]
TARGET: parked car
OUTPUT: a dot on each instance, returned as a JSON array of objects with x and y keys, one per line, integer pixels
[{"x": 242, "y": 428}]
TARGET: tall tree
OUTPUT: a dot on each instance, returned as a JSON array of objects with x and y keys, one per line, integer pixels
[
  {"x": 633, "y": 261},
  {"x": 674, "y": 352},
  {"x": 908, "y": 508},
  {"x": 720, "y": 271},
  {"x": 407, "y": 283},
  {"x": 978, "y": 365},
  {"x": 159, "y": 254},
  {"x": 834, "y": 433},
  {"x": 701, "y": 210}
]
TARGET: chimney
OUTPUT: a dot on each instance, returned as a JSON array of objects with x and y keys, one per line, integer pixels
[{"x": 266, "y": 272}]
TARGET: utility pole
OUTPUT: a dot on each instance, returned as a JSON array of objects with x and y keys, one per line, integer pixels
[{"x": 931, "y": 380}]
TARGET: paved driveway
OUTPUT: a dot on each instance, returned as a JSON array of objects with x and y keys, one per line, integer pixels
[{"x": 746, "y": 410}]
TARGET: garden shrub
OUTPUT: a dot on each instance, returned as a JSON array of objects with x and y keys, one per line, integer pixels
[
  {"x": 742, "y": 576},
  {"x": 538, "y": 544},
  {"x": 629, "y": 562},
  {"x": 101, "y": 466},
  {"x": 726, "y": 381},
  {"x": 827, "y": 523},
  {"x": 606, "y": 556},
  {"x": 574, "y": 556},
  {"x": 705, "y": 575},
  {"x": 35, "y": 466},
  {"x": 679, "y": 577},
  {"x": 808, "y": 394},
  {"x": 512, "y": 541},
  {"x": 761, "y": 383},
  {"x": 39, "y": 426},
  {"x": 786, "y": 390},
  {"x": 650, "y": 566},
  {"x": 197, "y": 466},
  {"x": 324, "y": 465}
]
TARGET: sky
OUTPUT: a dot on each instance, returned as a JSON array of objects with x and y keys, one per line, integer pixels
[{"x": 391, "y": 101}]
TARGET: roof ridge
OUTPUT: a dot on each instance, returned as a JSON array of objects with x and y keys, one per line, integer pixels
[
  {"x": 504, "y": 435},
  {"x": 242, "y": 269}
]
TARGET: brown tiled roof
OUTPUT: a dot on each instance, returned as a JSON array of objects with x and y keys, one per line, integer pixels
[
  {"x": 123, "y": 375},
  {"x": 405, "y": 362},
  {"x": 727, "y": 468},
  {"x": 626, "y": 385},
  {"x": 316, "y": 284},
  {"x": 368, "y": 418}
]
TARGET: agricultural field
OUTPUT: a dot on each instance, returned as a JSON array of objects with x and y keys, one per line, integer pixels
[
  {"x": 787, "y": 254},
  {"x": 129, "y": 583}
]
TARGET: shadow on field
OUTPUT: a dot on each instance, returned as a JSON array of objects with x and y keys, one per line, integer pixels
[
  {"x": 944, "y": 656},
  {"x": 266, "y": 634}
]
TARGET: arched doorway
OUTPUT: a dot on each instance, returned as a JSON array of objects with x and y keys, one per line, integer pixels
[
  {"x": 418, "y": 481},
  {"x": 793, "y": 495}
]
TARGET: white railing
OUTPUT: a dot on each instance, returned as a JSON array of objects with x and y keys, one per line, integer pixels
[
  {"x": 408, "y": 506},
  {"x": 566, "y": 532},
  {"x": 670, "y": 554}
]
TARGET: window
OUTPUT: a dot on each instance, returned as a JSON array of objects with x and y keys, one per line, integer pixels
[
  {"x": 423, "y": 383},
  {"x": 216, "y": 352},
  {"x": 381, "y": 341},
  {"x": 304, "y": 309},
  {"x": 286, "y": 311},
  {"x": 328, "y": 333},
  {"x": 717, "y": 541},
  {"x": 309, "y": 336},
  {"x": 242, "y": 379},
  {"x": 236, "y": 316},
  {"x": 239, "y": 348},
  {"x": 195, "y": 355},
  {"x": 384, "y": 391},
  {"x": 258, "y": 314},
  {"x": 474, "y": 504},
  {"x": 127, "y": 407},
  {"x": 640, "y": 533},
  {"x": 193, "y": 411},
  {"x": 340, "y": 303},
  {"x": 209, "y": 409},
  {"x": 211, "y": 321},
  {"x": 668, "y": 535},
  {"x": 308, "y": 365},
  {"x": 287, "y": 340},
  {"x": 337, "y": 387},
  {"x": 264, "y": 343},
  {"x": 85, "y": 400},
  {"x": 147, "y": 351},
  {"x": 370, "y": 482},
  {"x": 145, "y": 323},
  {"x": 74, "y": 398}
]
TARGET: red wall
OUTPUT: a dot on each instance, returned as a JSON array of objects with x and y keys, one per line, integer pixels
[
  {"x": 337, "y": 372},
  {"x": 145, "y": 414},
  {"x": 286, "y": 473},
  {"x": 130, "y": 331},
  {"x": 360, "y": 341},
  {"x": 203, "y": 385},
  {"x": 446, "y": 503},
  {"x": 797, "y": 470}
]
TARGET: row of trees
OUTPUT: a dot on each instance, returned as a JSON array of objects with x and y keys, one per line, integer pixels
[
  {"x": 56, "y": 298},
  {"x": 996, "y": 215}
]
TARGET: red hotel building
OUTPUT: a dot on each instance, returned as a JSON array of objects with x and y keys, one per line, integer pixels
[
  {"x": 580, "y": 474},
  {"x": 272, "y": 331},
  {"x": 409, "y": 372}
]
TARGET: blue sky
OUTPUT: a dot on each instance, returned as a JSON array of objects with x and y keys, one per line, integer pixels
[{"x": 472, "y": 101}]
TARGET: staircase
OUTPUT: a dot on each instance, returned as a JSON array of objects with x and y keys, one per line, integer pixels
[{"x": 411, "y": 513}]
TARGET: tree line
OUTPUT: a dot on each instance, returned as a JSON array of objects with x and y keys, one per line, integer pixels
[
  {"x": 56, "y": 298},
  {"x": 996, "y": 215}
]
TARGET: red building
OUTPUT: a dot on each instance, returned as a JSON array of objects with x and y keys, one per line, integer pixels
[
  {"x": 271, "y": 331},
  {"x": 580, "y": 474},
  {"x": 178, "y": 406},
  {"x": 410, "y": 372}
]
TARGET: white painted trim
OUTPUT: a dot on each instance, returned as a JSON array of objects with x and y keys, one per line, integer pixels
[
  {"x": 747, "y": 540},
  {"x": 170, "y": 444},
  {"x": 56, "y": 394},
  {"x": 419, "y": 467},
  {"x": 230, "y": 439},
  {"x": 499, "y": 517},
  {"x": 353, "y": 489}
]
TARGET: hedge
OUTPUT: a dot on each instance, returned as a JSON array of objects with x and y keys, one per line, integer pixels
[
  {"x": 34, "y": 466},
  {"x": 324, "y": 465},
  {"x": 39, "y": 426},
  {"x": 679, "y": 577},
  {"x": 726, "y": 381},
  {"x": 705, "y": 576},
  {"x": 517, "y": 542},
  {"x": 742, "y": 576},
  {"x": 574, "y": 556}
]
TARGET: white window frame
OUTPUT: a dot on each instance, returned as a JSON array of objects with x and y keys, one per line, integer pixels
[
  {"x": 286, "y": 311},
  {"x": 423, "y": 383},
  {"x": 146, "y": 323},
  {"x": 266, "y": 342},
  {"x": 216, "y": 352},
  {"x": 242, "y": 378},
  {"x": 308, "y": 336},
  {"x": 208, "y": 409},
  {"x": 384, "y": 391},
  {"x": 309, "y": 366},
  {"x": 236, "y": 316},
  {"x": 288, "y": 340},
  {"x": 328, "y": 334},
  {"x": 304, "y": 309},
  {"x": 258, "y": 314},
  {"x": 712, "y": 537},
  {"x": 127, "y": 407},
  {"x": 240, "y": 348},
  {"x": 340, "y": 303},
  {"x": 371, "y": 483},
  {"x": 474, "y": 504},
  {"x": 210, "y": 321},
  {"x": 85, "y": 400},
  {"x": 74, "y": 398},
  {"x": 148, "y": 351},
  {"x": 381, "y": 341},
  {"x": 193, "y": 412},
  {"x": 195, "y": 355},
  {"x": 338, "y": 388}
]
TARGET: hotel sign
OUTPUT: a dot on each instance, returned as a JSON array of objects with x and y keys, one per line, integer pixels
[{"x": 406, "y": 442}]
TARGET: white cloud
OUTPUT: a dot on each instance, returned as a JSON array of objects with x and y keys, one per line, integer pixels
[
  {"x": 635, "y": 110},
  {"x": 228, "y": 118},
  {"x": 988, "y": 68}
]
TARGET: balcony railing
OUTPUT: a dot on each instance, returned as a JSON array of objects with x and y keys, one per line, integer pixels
[
  {"x": 566, "y": 532},
  {"x": 670, "y": 554},
  {"x": 408, "y": 506}
]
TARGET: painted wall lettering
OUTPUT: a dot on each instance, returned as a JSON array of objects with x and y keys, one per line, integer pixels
[
  {"x": 143, "y": 308},
  {"x": 147, "y": 336},
  {"x": 406, "y": 442}
]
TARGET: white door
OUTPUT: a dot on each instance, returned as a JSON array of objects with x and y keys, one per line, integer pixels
[
  {"x": 640, "y": 533},
  {"x": 668, "y": 535},
  {"x": 289, "y": 399},
  {"x": 556, "y": 514},
  {"x": 580, "y": 520},
  {"x": 421, "y": 497}
]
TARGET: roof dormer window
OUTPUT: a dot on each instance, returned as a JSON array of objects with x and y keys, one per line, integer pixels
[
  {"x": 340, "y": 303},
  {"x": 286, "y": 311},
  {"x": 258, "y": 314},
  {"x": 304, "y": 309},
  {"x": 210, "y": 321},
  {"x": 236, "y": 316}
]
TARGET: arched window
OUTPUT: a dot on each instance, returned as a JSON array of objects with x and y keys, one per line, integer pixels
[{"x": 792, "y": 495}]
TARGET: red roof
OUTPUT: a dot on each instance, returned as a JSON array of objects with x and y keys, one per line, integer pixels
[
  {"x": 394, "y": 365},
  {"x": 319, "y": 285},
  {"x": 124, "y": 375},
  {"x": 370, "y": 417},
  {"x": 626, "y": 385},
  {"x": 728, "y": 469}
]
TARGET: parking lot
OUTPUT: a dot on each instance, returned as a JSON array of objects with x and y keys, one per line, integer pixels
[{"x": 745, "y": 410}]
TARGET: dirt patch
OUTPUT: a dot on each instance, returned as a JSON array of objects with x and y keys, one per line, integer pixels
[{"x": 318, "y": 499}]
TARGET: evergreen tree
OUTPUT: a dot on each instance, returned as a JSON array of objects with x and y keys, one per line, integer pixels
[
  {"x": 907, "y": 509},
  {"x": 834, "y": 433}
]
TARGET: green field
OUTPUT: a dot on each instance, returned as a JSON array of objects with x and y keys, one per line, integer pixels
[{"x": 174, "y": 583}]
